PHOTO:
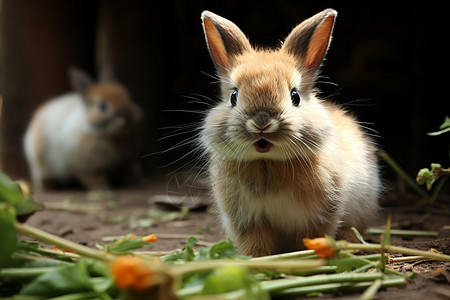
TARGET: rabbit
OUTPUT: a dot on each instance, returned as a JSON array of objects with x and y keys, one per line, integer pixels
[
  {"x": 283, "y": 164},
  {"x": 84, "y": 136}
]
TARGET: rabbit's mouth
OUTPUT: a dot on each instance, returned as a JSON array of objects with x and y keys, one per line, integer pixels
[{"x": 263, "y": 145}]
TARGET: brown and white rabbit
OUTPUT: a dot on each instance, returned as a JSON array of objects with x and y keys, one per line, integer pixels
[
  {"x": 284, "y": 165},
  {"x": 84, "y": 135}
]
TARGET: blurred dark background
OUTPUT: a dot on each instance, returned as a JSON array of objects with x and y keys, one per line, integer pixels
[{"x": 386, "y": 63}]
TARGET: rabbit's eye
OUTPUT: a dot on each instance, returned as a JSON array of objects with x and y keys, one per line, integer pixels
[
  {"x": 233, "y": 98},
  {"x": 102, "y": 106},
  {"x": 295, "y": 97}
]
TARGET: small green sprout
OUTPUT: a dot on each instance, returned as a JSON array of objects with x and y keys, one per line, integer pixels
[
  {"x": 429, "y": 177},
  {"x": 445, "y": 127}
]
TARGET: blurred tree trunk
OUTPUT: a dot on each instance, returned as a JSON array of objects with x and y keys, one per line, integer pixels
[{"x": 130, "y": 41}]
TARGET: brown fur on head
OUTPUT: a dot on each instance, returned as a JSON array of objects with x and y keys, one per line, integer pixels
[
  {"x": 307, "y": 44},
  {"x": 263, "y": 82},
  {"x": 109, "y": 105}
]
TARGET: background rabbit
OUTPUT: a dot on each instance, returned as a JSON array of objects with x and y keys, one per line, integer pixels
[
  {"x": 284, "y": 165},
  {"x": 86, "y": 135}
]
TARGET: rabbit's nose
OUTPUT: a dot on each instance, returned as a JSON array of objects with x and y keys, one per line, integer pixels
[
  {"x": 261, "y": 119},
  {"x": 262, "y": 122}
]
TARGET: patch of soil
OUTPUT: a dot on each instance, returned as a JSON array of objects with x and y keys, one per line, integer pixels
[{"x": 88, "y": 218}]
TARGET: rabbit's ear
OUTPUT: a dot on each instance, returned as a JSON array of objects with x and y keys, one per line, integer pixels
[
  {"x": 309, "y": 40},
  {"x": 224, "y": 39},
  {"x": 79, "y": 80},
  {"x": 107, "y": 73}
]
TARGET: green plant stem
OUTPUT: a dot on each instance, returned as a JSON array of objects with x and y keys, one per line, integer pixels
[
  {"x": 83, "y": 295},
  {"x": 363, "y": 268},
  {"x": 22, "y": 297},
  {"x": 370, "y": 292},
  {"x": 60, "y": 242},
  {"x": 376, "y": 247},
  {"x": 290, "y": 255},
  {"x": 189, "y": 291},
  {"x": 24, "y": 273},
  {"x": 344, "y": 287},
  {"x": 277, "y": 266},
  {"x": 352, "y": 261},
  {"x": 438, "y": 188},
  {"x": 318, "y": 270},
  {"x": 233, "y": 295},
  {"x": 281, "y": 284},
  {"x": 403, "y": 174},
  {"x": 405, "y": 258},
  {"x": 358, "y": 235},
  {"x": 439, "y": 132},
  {"x": 277, "y": 286},
  {"x": 403, "y": 232}
]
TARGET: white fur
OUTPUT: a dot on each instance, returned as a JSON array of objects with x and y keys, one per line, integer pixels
[{"x": 63, "y": 122}]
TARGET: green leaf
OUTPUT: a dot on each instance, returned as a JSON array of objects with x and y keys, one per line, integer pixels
[
  {"x": 425, "y": 176},
  {"x": 358, "y": 236},
  {"x": 429, "y": 177},
  {"x": 446, "y": 123},
  {"x": 233, "y": 278},
  {"x": 137, "y": 222},
  {"x": 85, "y": 276},
  {"x": 123, "y": 245},
  {"x": 168, "y": 216},
  {"x": 8, "y": 234},
  {"x": 220, "y": 250},
  {"x": 188, "y": 250},
  {"x": 31, "y": 254},
  {"x": 65, "y": 280},
  {"x": 10, "y": 192},
  {"x": 186, "y": 255},
  {"x": 347, "y": 264}
]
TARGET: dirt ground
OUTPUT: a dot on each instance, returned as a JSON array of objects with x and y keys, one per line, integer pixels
[{"x": 92, "y": 217}]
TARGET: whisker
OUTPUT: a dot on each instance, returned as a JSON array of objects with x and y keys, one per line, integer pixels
[
  {"x": 202, "y": 112},
  {"x": 303, "y": 159},
  {"x": 211, "y": 76},
  {"x": 177, "y": 133},
  {"x": 357, "y": 103},
  {"x": 189, "y": 153},
  {"x": 182, "y": 126},
  {"x": 198, "y": 99}
]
